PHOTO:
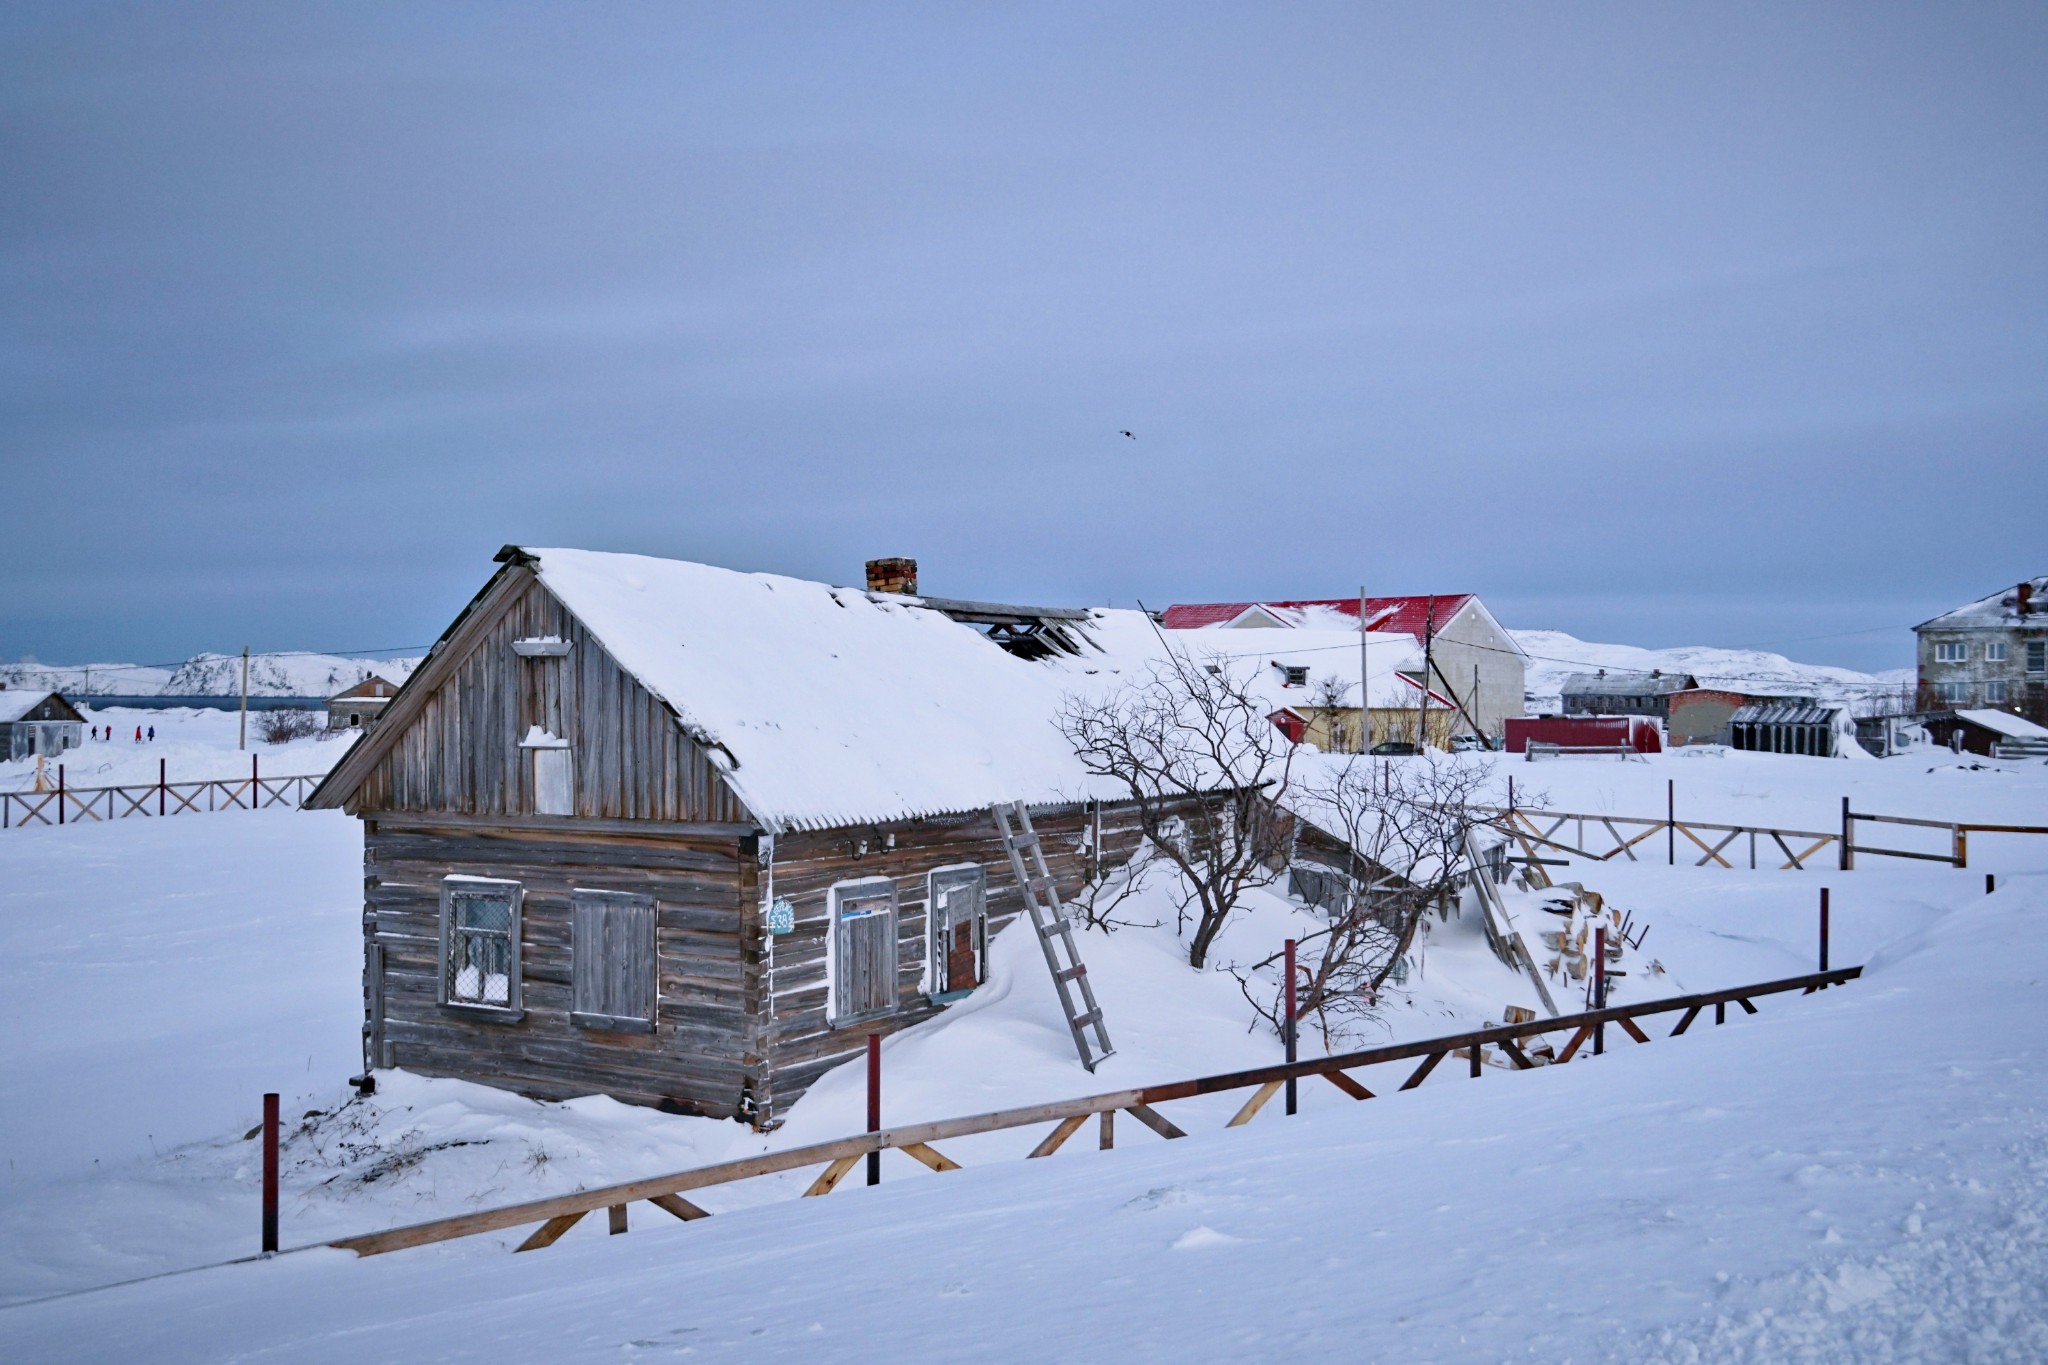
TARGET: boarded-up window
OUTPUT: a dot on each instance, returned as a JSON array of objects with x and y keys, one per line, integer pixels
[
  {"x": 554, "y": 782},
  {"x": 611, "y": 953},
  {"x": 863, "y": 950},
  {"x": 480, "y": 943}
]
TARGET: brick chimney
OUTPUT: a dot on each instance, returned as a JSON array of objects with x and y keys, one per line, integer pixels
[
  {"x": 893, "y": 575},
  {"x": 2026, "y": 594}
]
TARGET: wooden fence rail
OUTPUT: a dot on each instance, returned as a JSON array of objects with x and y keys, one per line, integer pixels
[
  {"x": 556, "y": 1215},
  {"x": 1624, "y": 833},
  {"x": 70, "y": 805}
]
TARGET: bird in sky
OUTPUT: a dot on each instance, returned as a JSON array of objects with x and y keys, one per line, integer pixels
[{"x": 1129, "y": 434}]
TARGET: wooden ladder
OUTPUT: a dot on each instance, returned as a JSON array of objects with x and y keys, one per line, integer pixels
[{"x": 1055, "y": 931}]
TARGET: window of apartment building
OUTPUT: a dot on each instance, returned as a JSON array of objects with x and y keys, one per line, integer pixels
[
  {"x": 1952, "y": 692},
  {"x": 2037, "y": 656},
  {"x": 1951, "y": 652},
  {"x": 480, "y": 943},
  {"x": 1994, "y": 692},
  {"x": 1994, "y": 652}
]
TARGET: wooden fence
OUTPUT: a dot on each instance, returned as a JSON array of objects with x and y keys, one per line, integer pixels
[
  {"x": 1603, "y": 838},
  {"x": 558, "y": 1214},
  {"x": 70, "y": 805}
]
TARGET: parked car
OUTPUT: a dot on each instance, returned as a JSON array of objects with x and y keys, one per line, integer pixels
[
  {"x": 1395, "y": 748},
  {"x": 1467, "y": 744}
]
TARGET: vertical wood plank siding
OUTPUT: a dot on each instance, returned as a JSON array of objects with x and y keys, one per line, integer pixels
[{"x": 461, "y": 752}]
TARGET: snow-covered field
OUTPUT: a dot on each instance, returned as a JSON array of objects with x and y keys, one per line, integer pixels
[
  {"x": 288, "y": 673},
  {"x": 1852, "y": 1176},
  {"x": 192, "y": 744}
]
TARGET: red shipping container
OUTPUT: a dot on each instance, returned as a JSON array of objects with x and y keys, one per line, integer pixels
[{"x": 1639, "y": 733}]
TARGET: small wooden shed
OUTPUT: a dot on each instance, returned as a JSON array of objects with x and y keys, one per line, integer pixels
[{"x": 686, "y": 836}]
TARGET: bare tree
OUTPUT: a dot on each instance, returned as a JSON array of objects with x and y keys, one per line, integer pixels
[
  {"x": 1203, "y": 764},
  {"x": 1392, "y": 846},
  {"x": 285, "y": 725}
]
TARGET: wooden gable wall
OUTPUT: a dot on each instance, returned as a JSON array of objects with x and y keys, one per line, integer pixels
[{"x": 460, "y": 751}]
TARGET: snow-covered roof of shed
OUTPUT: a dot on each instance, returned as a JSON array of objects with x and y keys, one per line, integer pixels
[
  {"x": 2000, "y": 609},
  {"x": 834, "y": 705},
  {"x": 1605, "y": 683},
  {"x": 2004, "y": 723},
  {"x": 14, "y": 705}
]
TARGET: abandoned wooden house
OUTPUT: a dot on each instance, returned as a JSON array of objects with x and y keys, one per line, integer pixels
[
  {"x": 356, "y": 707},
  {"x": 685, "y": 836},
  {"x": 37, "y": 723}
]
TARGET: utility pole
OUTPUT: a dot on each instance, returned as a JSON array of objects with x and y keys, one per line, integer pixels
[
  {"x": 243, "y": 742},
  {"x": 1428, "y": 635},
  {"x": 1364, "y": 682}
]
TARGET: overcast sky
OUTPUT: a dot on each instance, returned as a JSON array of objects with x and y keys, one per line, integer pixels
[{"x": 1714, "y": 324}]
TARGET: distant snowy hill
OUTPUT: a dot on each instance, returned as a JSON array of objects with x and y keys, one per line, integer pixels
[
  {"x": 1554, "y": 656},
  {"x": 284, "y": 674}
]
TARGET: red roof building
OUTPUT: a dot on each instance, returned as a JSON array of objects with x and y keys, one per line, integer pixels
[{"x": 1400, "y": 615}]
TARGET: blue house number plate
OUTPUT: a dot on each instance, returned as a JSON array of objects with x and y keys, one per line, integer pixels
[{"x": 781, "y": 917}]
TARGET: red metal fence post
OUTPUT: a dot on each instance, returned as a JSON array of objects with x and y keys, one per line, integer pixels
[
  {"x": 875, "y": 1104},
  {"x": 270, "y": 1171},
  {"x": 1823, "y": 928},
  {"x": 1291, "y": 1009},
  {"x": 1600, "y": 987}
]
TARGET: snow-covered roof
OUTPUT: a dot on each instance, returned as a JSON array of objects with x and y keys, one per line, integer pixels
[
  {"x": 14, "y": 705},
  {"x": 1396, "y": 615},
  {"x": 1623, "y": 684},
  {"x": 2005, "y": 723},
  {"x": 834, "y": 705},
  {"x": 2000, "y": 609}
]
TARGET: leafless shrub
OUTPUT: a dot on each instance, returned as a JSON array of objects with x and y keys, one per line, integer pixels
[
  {"x": 282, "y": 727},
  {"x": 1194, "y": 750},
  {"x": 1394, "y": 836}
]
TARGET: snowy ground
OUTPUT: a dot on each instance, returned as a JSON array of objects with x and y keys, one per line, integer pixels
[
  {"x": 1555, "y": 656},
  {"x": 192, "y": 744},
  {"x": 1855, "y": 1175}
]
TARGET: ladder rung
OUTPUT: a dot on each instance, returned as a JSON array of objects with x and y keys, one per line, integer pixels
[
  {"x": 1081, "y": 1021},
  {"x": 1079, "y": 969},
  {"x": 1020, "y": 842},
  {"x": 1058, "y": 926}
]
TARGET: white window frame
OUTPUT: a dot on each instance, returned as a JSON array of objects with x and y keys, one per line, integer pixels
[
  {"x": 2037, "y": 656},
  {"x": 1994, "y": 652},
  {"x": 932, "y": 952},
  {"x": 1994, "y": 692},
  {"x": 1952, "y": 692},
  {"x": 452, "y": 888},
  {"x": 1951, "y": 652},
  {"x": 858, "y": 888}
]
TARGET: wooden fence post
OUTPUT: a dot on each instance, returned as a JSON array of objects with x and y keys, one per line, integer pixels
[
  {"x": 1600, "y": 987},
  {"x": 1962, "y": 851},
  {"x": 1848, "y": 859},
  {"x": 1990, "y": 883},
  {"x": 1823, "y": 928},
  {"x": 875, "y": 1104},
  {"x": 161, "y": 770},
  {"x": 60, "y": 793},
  {"x": 270, "y": 1172},
  {"x": 1290, "y": 1028},
  {"x": 1670, "y": 823}
]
